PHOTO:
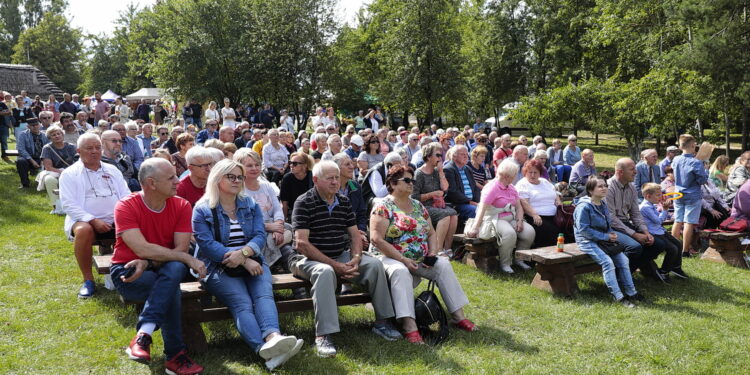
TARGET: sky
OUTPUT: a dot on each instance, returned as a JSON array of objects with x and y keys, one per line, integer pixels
[{"x": 95, "y": 17}]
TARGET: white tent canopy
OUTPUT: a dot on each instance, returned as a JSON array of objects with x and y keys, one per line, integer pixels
[
  {"x": 152, "y": 93},
  {"x": 110, "y": 96}
]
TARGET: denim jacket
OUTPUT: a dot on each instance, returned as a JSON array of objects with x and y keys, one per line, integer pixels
[
  {"x": 591, "y": 222},
  {"x": 250, "y": 218}
]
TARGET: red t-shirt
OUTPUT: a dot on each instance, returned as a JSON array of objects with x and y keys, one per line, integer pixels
[
  {"x": 187, "y": 190},
  {"x": 501, "y": 153},
  {"x": 157, "y": 227}
]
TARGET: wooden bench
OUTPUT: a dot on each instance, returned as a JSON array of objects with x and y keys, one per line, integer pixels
[
  {"x": 198, "y": 306},
  {"x": 480, "y": 254},
  {"x": 725, "y": 247},
  {"x": 11, "y": 153},
  {"x": 556, "y": 271}
]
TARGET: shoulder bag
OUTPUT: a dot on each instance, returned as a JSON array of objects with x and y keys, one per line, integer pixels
[{"x": 428, "y": 311}]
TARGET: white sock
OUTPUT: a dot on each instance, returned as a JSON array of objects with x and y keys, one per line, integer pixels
[{"x": 148, "y": 328}]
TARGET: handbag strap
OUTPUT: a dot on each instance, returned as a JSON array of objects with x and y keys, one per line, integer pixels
[{"x": 217, "y": 235}]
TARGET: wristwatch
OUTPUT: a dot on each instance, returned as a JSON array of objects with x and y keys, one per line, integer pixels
[{"x": 245, "y": 252}]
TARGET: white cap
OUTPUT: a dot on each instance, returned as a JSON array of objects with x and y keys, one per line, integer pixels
[{"x": 357, "y": 140}]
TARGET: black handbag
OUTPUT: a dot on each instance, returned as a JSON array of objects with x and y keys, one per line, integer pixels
[
  {"x": 238, "y": 271},
  {"x": 428, "y": 312},
  {"x": 611, "y": 248}
]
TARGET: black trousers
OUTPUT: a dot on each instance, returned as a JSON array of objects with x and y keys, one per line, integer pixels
[
  {"x": 25, "y": 168},
  {"x": 672, "y": 251},
  {"x": 546, "y": 234}
]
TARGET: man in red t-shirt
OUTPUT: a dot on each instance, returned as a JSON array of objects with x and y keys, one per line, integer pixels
[
  {"x": 151, "y": 258},
  {"x": 192, "y": 186},
  {"x": 503, "y": 151}
]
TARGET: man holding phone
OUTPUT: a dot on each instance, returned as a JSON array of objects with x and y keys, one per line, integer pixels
[{"x": 150, "y": 260}]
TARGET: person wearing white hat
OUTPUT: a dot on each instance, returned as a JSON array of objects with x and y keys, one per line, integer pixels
[{"x": 672, "y": 151}]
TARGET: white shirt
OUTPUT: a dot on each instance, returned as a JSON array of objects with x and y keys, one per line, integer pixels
[
  {"x": 275, "y": 157},
  {"x": 212, "y": 114},
  {"x": 124, "y": 111},
  {"x": 287, "y": 124},
  {"x": 378, "y": 185},
  {"x": 87, "y": 195},
  {"x": 541, "y": 196},
  {"x": 228, "y": 112},
  {"x": 375, "y": 125}
]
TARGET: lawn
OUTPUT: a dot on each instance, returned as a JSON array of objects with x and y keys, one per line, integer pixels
[{"x": 699, "y": 326}]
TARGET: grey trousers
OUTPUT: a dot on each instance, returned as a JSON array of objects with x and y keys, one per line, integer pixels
[
  {"x": 403, "y": 283},
  {"x": 324, "y": 284}
]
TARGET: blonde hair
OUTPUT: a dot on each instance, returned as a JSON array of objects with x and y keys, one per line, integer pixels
[
  {"x": 650, "y": 188},
  {"x": 211, "y": 196},
  {"x": 720, "y": 164},
  {"x": 686, "y": 140},
  {"x": 214, "y": 143},
  {"x": 309, "y": 161},
  {"x": 245, "y": 153}
]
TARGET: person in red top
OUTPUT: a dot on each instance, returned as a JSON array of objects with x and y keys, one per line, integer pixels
[
  {"x": 503, "y": 151},
  {"x": 199, "y": 160},
  {"x": 150, "y": 260}
]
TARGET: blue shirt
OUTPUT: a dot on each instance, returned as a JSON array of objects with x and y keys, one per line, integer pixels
[
  {"x": 689, "y": 175},
  {"x": 465, "y": 180},
  {"x": 653, "y": 217},
  {"x": 571, "y": 156},
  {"x": 663, "y": 164}
]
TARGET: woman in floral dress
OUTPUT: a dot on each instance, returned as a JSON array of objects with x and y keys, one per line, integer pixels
[{"x": 402, "y": 234}]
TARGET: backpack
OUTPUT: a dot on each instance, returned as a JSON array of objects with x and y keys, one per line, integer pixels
[{"x": 428, "y": 312}]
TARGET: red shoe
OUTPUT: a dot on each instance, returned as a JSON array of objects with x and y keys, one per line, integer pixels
[
  {"x": 181, "y": 364},
  {"x": 414, "y": 337},
  {"x": 140, "y": 347},
  {"x": 466, "y": 325}
]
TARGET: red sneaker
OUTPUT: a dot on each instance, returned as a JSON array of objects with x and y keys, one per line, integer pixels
[
  {"x": 140, "y": 347},
  {"x": 181, "y": 364}
]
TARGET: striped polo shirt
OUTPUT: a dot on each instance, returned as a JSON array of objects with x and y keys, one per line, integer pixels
[{"x": 328, "y": 225}]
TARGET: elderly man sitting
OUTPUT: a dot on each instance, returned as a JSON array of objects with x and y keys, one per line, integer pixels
[
  {"x": 89, "y": 190},
  {"x": 112, "y": 154},
  {"x": 463, "y": 192},
  {"x": 322, "y": 219},
  {"x": 373, "y": 185},
  {"x": 582, "y": 170},
  {"x": 30, "y": 144}
]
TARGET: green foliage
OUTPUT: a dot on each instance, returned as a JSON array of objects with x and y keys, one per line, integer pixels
[
  {"x": 53, "y": 47},
  {"x": 11, "y": 25}
]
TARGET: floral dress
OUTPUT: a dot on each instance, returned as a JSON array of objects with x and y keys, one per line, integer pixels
[{"x": 407, "y": 231}]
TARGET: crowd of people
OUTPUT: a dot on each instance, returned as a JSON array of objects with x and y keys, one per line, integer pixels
[{"x": 233, "y": 202}]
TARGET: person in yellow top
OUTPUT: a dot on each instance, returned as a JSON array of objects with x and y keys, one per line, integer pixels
[{"x": 258, "y": 145}]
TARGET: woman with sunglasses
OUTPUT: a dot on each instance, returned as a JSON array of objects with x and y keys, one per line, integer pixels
[
  {"x": 225, "y": 212},
  {"x": 370, "y": 156},
  {"x": 430, "y": 185},
  {"x": 297, "y": 181},
  {"x": 402, "y": 233}
]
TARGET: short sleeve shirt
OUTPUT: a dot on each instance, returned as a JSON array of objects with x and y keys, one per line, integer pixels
[
  {"x": 407, "y": 231},
  {"x": 157, "y": 227},
  {"x": 498, "y": 196},
  {"x": 327, "y": 225},
  {"x": 187, "y": 190},
  {"x": 61, "y": 158},
  {"x": 541, "y": 196}
]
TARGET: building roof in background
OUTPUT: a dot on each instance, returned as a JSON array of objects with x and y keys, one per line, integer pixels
[{"x": 14, "y": 78}]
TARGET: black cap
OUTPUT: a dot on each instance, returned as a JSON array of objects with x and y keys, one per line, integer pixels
[{"x": 32, "y": 121}]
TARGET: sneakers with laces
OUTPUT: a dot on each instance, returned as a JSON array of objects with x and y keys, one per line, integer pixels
[
  {"x": 386, "y": 331},
  {"x": 277, "y": 361},
  {"x": 679, "y": 273},
  {"x": 277, "y": 346},
  {"x": 506, "y": 269},
  {"x": 522, "y": 264},
  {"x": 324, "y": 347},
  {"x": 87, "y": 289},
  {"x": 626, "y": 302},
  {"x": 140, "y": 347},
  {"x": 181, "y": 364}
]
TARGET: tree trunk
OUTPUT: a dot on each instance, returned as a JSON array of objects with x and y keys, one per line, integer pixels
[
  {"x": 726, "y": 124},
  {"x": 596, "y": 139},
  {"x": 405, "y": 120},
  {"x": 658, "y": 145},
  {"x": 744, "y": 126}
]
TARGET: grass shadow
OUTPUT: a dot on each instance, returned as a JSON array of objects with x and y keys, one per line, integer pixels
[{"x": 487, "y": 335}]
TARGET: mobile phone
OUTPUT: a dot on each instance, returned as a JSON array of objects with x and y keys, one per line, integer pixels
[
  {"x": 129, "y": 272},
  {"x": 429, "y": 260}
]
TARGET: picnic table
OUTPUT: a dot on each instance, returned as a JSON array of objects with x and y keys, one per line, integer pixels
[
  {"x": 725, "y": 247},
  {"x": 556, "y": 271}
]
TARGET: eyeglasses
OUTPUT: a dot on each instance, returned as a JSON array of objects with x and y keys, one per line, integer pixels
[
  {"x": 207, "y": 165},
  {"x": 296, "y": 163},
  {"x": 163, "y": 133},
  {"x": 235, "y": 177},
  {"x": 439, "y": 155},
  {"x": 408, "y": 180}
]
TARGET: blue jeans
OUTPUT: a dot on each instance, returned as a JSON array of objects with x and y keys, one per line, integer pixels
[
  {"x": 466, "y": 211},
  {"x": 615, "y": 269},
  {"x": 160, "y": 289},
  {"x": 563, "y": 172},
  {"x": 250, "y": 300},
  {"x": 633, "y": 249}
]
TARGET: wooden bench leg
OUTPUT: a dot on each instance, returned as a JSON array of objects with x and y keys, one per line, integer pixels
[
  {"x": 487, "y": 264},
  {"x": 192, "y": 332},
  {"x": 559, "y": 278},
  {"x": 725, "y": 251}
]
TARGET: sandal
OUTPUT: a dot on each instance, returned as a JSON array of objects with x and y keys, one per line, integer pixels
[
  {"x": 466, "y": 325},
  {"x": 414, "y": 337}
]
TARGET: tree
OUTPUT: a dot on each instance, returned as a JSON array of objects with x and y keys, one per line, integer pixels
[
  {"x": 11, "y": 25},
  {"x": 53, "y": 47}
]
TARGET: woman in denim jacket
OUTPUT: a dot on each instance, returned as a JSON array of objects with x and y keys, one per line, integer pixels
[
  {"x": 591, "y": 218},
  {"x": 249, "y": 297}
]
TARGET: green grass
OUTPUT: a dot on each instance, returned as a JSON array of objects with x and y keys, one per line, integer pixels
[{"x": 695, "y": 327}]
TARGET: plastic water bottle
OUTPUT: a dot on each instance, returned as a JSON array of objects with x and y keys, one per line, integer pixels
[{"x": 560, "y": 242}]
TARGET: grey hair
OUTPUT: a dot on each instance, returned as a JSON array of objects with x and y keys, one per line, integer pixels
[
  {"x": 150, "y": 168},
  {"x": 429, "y": 149},
  {"x": 520, "y": 148},
  {"x": 216, "y": 154},
  {"x": 211, "y": 196},
  {"x": 507, "y": 167},
  {"x": 110, "y": 132},
  {"x": 540, "y": 153},
  {"x": 321, "y": 137},
  {"x": 340, "y": 157},
  {"x": 52, "y": 129},
  {"x": 131, "y": 125},
  {"x": 214, "y": 143},
  {"x": 572, "y": 137},
  {"x": 392, "y": 157},
  {"x": 324, "y": 165},
  {"x": 647, "y": 151},
  {"x": 244, "y": 153},
  {"x": 197, "y": 152},
  {"x": 102, "y": 123},
  {"x": 332, "y": 137},
  {"x": 456, "y": 148},
  {"x": 425, "y": 141},
  {"x": 402, "y": 152}
]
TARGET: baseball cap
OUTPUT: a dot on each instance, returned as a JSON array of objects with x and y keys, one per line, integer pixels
[
  {"x": 357, "y": 140},
  {"x": 672, "y": 149}
]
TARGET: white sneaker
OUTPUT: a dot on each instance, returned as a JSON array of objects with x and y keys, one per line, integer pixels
[
  {"x": 277, "y": 346},
  {"x": 506, "y": 269},
  {"x": 280, "y": 360},
  {"x": 522, "y": 264}
]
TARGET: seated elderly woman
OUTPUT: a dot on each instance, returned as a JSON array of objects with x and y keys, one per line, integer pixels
[
  {"x": 430, "y": 185},
  {"x": 277, "y": 246},
  {"x": 184, "y": 142},
  {"x": 713, "y": 206},
  {"x": 540, "y": 200},
  {"x": 593, "y": 231},
  {"x": 478, "y": 167},
  {"x": 228, "y": 227},
  {"x": 297, "y": 181},
  {"x": 56, "y": 156},
  {"x": 501, "y": 203},
  {"x": 404, "y": 237}
]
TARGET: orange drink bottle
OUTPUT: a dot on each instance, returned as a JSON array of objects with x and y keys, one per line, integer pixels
[{"x": 560, "y": 242}]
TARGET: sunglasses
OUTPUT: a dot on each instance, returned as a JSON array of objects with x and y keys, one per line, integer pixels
[
  {"x": 408, "y": 180},
  {"x": 296, "y": 163},
  {"x": 235, "y": 177},
  {"x": 163, "y": 133},
  {"x": 439, "y": 155}
]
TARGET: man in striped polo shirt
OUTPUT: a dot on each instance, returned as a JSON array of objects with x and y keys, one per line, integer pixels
[{"x": 329, "y": 246}]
